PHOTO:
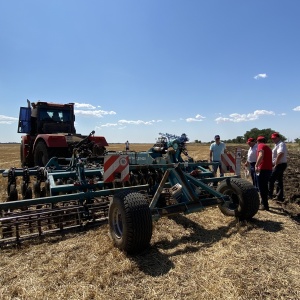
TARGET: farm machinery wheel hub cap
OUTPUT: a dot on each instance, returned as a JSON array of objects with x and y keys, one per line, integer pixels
[{"x": 117, "y": 223}]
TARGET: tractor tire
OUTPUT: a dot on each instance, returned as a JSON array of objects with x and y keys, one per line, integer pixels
[
  {"x": 130, "y": 222},
  {"x": 23, "y": 161},
  {"x": 41, "y": 154},
  {"x": 244, "y": 198}
]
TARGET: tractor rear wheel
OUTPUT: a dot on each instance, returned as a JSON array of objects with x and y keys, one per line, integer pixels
[
  {"x": 41, "y": 154},
  {"x": 130, "y": 222},
  {"x": 23, "y": 161},
  {"x": 244, "y": 199}
]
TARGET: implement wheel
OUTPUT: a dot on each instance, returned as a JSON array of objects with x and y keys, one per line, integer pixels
[
  {"x": 244, "y": 199},
  {"x": 130, "y": 222}
]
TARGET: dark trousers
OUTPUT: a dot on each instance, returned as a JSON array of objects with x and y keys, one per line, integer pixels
[
  {"x": 253, "y": 174},
  {"x": 277, "y": 175},
  {"x": 216, "y": 167},
  {"x": 263, "y": 184}
]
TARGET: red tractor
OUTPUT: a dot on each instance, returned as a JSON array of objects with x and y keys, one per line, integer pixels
[{"x": 50, "y": 132}]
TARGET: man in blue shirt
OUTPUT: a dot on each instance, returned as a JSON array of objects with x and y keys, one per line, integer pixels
[{"x": 216, "y": 149}]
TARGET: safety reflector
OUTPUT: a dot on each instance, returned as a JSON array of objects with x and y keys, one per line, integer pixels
[{"x": 116, "y": 168}]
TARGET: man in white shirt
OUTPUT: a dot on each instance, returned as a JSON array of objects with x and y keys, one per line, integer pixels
[
  {"x": 279, "y": 159},
  {"x": 251, "y": 160}
]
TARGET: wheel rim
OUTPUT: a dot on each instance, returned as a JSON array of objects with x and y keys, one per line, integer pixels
[
  {"x": 233, "y": 202},
  {"x": 117, "y": 223}
]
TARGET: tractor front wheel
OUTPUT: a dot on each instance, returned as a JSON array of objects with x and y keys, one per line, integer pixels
[
  {"x": 130, "y": 222},
  {"x": 243, "y": 198},
  {"x": 41, "y": 155}
]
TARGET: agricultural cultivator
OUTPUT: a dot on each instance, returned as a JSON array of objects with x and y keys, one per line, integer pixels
[{"x": 130, "y": 190}]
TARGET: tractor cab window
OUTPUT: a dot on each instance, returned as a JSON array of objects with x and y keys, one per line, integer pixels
[{"x": 51, "y": 115}]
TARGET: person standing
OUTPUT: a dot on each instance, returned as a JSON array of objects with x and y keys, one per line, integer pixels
[
  {"x": 251, "y": 160},
  {"x": 33, "y": 118},
  {"x": 216, "y": 149},
  {"x": 279, "y": 160},
  {"x": 126, "y": 146},
  {"x": 263, "y": 169}
]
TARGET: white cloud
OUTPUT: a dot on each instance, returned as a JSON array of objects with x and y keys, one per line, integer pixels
[
  {"x": 108, "y": 125},
  {"x": 86, "y": 109},
  {"x": 122, "y": 123},
  {"x": 94, "y": 113},
  {"x": 237, "y": 118},
  {"x": 262, "y": 75},
  {"x": 84, "y": 105},
  {"x": 137, "y": 122},
  {"x": 198, "y": 118},
  {"x": 7, "y": 120},
  {"x": 296, "y": 108}
]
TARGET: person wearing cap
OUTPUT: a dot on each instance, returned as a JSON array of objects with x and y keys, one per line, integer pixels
[
  {"x": 251, "y": 160},
  {"x": 216, "y": 149},
  {"x": 263, "y": 169},
  {"x": 279, "y": 161}
]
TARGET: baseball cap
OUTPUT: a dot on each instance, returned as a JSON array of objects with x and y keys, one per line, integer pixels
[
  {"x": 217, "y": 136},
  {"x": 251, "y": 140},
  {"x": 260, "y": 138},
  {"x": 274, "y": 135}
]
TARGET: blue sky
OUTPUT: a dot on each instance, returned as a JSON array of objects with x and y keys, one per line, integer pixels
[{"x": 135, "y": 68}]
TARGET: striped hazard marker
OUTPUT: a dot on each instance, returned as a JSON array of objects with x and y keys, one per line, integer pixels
[
  {"x": 228, "y": 163},
  {"x": 116, "y": 168}
]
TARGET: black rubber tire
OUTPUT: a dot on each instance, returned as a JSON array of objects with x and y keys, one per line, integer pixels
[
  {"x": 28, "y": 193},
  {"x": 37, "y": 190},
  {"x": 130, "y": 222},
  {"x": 13, "y": 193},
  {"x": 24, "y": 188},
  {"x": 41, "y": 154},
  {"x": 47, "y": 188},
  {"x": 43, "y": 192},
  {"x": 244, "y": 198}
]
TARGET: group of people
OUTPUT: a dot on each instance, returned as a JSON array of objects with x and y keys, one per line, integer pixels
[{"x": 266, "y": 165}]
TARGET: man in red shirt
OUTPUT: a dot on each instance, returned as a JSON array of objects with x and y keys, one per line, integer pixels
[{"x": 263, "y": 169}]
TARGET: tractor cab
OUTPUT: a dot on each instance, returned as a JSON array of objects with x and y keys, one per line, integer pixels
[{"x": 50, "y": 118}]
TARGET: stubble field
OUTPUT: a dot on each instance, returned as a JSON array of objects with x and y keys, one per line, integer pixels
[{"x": 203, "y": 255}]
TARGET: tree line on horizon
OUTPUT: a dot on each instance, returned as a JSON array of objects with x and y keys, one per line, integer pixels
[{"x": 254, "y": 133}]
